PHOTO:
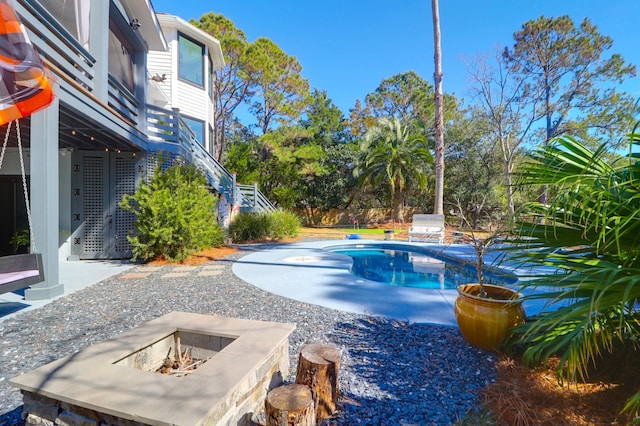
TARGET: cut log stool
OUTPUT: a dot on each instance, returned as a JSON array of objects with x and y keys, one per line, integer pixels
[
  {"x": 318, "y": 367},
  {"x": 290, "y": 405}
]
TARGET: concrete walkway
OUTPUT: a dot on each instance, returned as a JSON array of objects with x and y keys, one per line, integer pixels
[{"x": 73, "y": 274}]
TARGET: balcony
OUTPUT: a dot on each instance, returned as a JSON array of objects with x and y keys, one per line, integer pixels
[
  {"x": 60, "y": 51},
  {"x": 122, "y": 120}
]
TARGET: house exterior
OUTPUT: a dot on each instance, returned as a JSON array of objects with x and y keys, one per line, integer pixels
[
  {"x": 184, "y": 74},
  {"x": 109, "y": 121}
]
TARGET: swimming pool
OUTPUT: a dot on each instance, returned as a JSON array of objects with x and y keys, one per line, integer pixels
[
  {"x": 404, "y": 267},
  {"x": 310, "y": 272}
]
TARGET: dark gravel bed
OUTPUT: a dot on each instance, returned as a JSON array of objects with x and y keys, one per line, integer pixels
[{"x": 392, "y": 372}]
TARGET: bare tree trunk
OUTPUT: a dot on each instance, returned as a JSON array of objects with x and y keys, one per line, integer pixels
[
  {"x": 547, "y": 106},
  {"x": 439, "y": 120},
  {"x": 507, "y": 161},
  {"x": 509, "y": 184}
]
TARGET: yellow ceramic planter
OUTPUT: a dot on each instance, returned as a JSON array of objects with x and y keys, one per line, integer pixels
[{"x": 484, "y": 322}]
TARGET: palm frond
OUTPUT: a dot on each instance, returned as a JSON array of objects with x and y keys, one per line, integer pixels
[{"x": 589, "y": 238}]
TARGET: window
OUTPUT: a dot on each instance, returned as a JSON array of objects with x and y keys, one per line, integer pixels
[
  {"x": 190, "y": 60},
  {"x": 197, "y": 127},
  {"x": 73, "y": 15},
  {"x": 121, "y": 58}
]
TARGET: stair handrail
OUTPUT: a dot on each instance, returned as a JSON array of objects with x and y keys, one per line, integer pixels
[
  {"x": 254, "y": 198},
  {"x": 166, "y": 126}
]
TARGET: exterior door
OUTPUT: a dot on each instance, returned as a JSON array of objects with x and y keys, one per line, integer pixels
[{"x": 99, "y": 181}]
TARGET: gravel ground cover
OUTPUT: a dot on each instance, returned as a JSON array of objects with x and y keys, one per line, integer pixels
[{"x": 392, "y": 372}]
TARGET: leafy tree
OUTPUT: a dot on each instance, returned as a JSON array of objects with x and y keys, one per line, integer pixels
[
  {"x": 298, "y": 166},
  {"x": 396, "y": 157},
  {"x": 411, "y": 99},
  {"x": 324, "y": 119},
  {"x": 175, "y": 214},
  {"x": 405, "y": 96},
  {"x": 568, "y": 81},
  {"x": 241, "y": 156},
  {"x": 360, "y": 119},
  {"x": 507, "y": 121},
  {"x": 326, "y": 126},
  {"x": 287, "y": 156},
  {"x": 259, "y": 74},
  {"x": 590, "y": 232},
  {"x": 564, "y": 68},
  {"x": 280, "y": 91},
  {"x": 233, "y": 82},
  {"x": 474, "y": 182}
]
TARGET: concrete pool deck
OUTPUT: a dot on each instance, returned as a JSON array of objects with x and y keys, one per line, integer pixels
[
  {"x": 309, "y": 273},
  {"x": 303, "y": 271}
]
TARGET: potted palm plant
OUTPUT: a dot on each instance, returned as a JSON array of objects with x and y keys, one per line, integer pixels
[{"x": 485, "y": 312}]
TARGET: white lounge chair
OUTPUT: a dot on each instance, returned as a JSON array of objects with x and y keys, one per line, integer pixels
[{"x": 427, "y": 228}]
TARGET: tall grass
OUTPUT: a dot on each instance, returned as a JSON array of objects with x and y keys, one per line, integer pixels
[{"x": 275, "y": 225}]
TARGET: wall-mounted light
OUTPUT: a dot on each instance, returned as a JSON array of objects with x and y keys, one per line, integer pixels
[{"x": 134, "y": 24}]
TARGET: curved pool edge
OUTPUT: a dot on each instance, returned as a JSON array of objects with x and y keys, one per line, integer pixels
[{"x": 321, "y": 277}]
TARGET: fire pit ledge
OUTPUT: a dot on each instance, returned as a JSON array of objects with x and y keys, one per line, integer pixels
[{"x": 107, "y": 382}]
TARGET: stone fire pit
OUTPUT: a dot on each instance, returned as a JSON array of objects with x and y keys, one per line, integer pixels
[{"x": 115, "y": 381}]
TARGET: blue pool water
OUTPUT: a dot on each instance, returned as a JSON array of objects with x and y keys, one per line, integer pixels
[{"x": 407, "y": 268}]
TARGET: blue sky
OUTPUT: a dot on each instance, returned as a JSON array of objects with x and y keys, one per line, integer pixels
[{"x": 347, "y": 47}]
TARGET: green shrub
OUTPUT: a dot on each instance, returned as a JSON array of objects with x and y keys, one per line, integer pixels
[
  {"x": 21, "y": 240},
  {"x": 248, "y": 227},
  {"x": 260, "y": 226},
  {"x": 283, "y": 224},
  {"x": 175, "y": 215}
]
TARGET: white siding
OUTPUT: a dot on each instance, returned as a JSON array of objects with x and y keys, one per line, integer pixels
[
  {"x": 159, "y": 63},
  {"x": 191, "y": 100}
]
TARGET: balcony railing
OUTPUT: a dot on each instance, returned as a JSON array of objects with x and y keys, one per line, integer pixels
[
  {"x": 71, "y": 62},
  {"x": 60, "y": 51},
  {"x": 122, "y": 101},
  {"x": 253, "y": 199}
]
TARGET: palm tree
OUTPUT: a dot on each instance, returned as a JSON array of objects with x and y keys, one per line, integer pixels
[
  {"x": 439, "y": 116},
  {"x": 395, "y": 155},
  {"x": 590, "y": 233}
]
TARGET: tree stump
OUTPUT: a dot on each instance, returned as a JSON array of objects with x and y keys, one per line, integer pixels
[
  {"x": 318, "y": 367},
  {"x": 290, "y": 405}
]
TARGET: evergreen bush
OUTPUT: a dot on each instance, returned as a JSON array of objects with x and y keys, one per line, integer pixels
[
  {"x": 283, "y": 224},
  {"x": 175, "y": 215},
  {"x": 261, "y": 226}
]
